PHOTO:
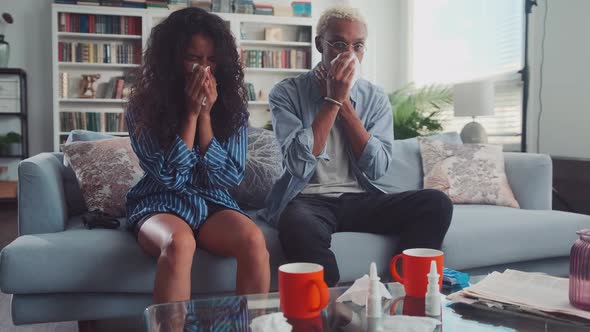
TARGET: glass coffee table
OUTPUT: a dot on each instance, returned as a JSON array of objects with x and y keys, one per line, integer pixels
[{"x": 235, "y": 313}]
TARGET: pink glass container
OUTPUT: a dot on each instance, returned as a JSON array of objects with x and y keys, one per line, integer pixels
[{"x": 580, "y": 271}]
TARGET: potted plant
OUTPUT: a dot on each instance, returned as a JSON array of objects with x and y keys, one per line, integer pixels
[
  {"x": 13, "y": 143},
  {"x": 417, "y": 110}
]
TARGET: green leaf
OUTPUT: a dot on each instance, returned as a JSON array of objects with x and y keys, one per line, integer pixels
[{"x": 416, "y": 110}]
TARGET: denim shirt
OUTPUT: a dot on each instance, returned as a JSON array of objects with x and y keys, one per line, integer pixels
[{"x": 294, "y": 103}]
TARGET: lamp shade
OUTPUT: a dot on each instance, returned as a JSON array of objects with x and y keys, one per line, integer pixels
[{"x": 474, "y": 98}]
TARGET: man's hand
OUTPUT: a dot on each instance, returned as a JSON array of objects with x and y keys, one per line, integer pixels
[
  {"x": 339, "y": 78},
  {"x": 321, "y": 74}
]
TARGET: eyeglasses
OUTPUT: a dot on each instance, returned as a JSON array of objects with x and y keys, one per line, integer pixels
[{"x": 343, "y": 47}]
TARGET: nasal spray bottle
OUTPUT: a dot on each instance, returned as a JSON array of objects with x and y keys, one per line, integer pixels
[
  {"x": 374, "y": 295},
  {"x": 432, "y": 299}
]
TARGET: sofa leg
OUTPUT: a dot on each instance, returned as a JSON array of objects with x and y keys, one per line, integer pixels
[{"x": 87, "y": 326}]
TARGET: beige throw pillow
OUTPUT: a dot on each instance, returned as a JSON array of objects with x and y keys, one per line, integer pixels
[
  {"x": 467, "y": 173},
  {"x": 106, "y": 170}
]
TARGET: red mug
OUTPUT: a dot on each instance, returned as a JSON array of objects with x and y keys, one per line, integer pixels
[
  {"x": 415, "y": 267},
  {"x": 302, "y": 290},
  {"x": 412, "y": 306}
]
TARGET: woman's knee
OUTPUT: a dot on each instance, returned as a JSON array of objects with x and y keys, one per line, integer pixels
[
  {"x": 180, "y": 247},
  {"x": 253, "y": 244}
]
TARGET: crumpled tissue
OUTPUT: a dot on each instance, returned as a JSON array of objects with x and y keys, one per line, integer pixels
[
  {"x": 358, "y": 292},
  {"x": 274, "y": 322}
]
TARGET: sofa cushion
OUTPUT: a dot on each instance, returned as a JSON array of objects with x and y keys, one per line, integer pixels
[
  {"x": 106, "y": 169},
  {"x": 405, "y": 171},
  {"x": 110, "y": 261},
  {"x": 74, "y": 199},
  {"x": 264, "y": 164},
  {"x": 485, "y": 235},
  {"x": 467, "y": 173}
]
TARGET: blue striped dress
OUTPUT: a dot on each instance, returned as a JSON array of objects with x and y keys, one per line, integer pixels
[{"x": 180, "y": 181}]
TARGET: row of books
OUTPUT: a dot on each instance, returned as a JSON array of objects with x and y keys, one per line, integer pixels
[
  {"x": 288, "y": 58},
  {"x": 94, "y": 121},
  {"x": 119, "y": 3},
  {"x": 103, "y": 24},
  {"x": 120, "y": 53},
  {"x": 297, "y": 8}
]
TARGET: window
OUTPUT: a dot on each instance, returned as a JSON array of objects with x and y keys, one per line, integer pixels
[{"x": 466, "y": 40}]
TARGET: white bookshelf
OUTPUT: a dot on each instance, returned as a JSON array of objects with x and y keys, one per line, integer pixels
[
  {"x": 247, "y": 29},
  {"x": 70, "y": 102}
]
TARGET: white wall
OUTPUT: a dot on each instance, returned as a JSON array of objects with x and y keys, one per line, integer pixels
[
  {"x": 30, "y": 49},
  {"x": 565, "y": 120}
]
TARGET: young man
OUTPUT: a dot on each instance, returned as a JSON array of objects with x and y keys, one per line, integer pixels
[{"x": 336, "y": 136}]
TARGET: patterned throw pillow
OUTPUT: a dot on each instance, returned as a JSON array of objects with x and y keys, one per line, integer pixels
[
  {"x": 106, "y": 169},
  {"x": 468, "y": 174},
  {"x": 264, "y": 164}
]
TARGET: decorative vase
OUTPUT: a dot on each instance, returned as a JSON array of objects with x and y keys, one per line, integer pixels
[
  {"x": 4, "y": 52},
  {"x": 580, "y": 271}
]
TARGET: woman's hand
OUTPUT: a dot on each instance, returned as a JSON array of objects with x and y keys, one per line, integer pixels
[
  {"x": 210, "y": 94},
  {"x": 195, "y": 91}
]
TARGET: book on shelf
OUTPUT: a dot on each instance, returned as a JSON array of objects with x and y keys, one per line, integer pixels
[
  {"x": 263, "y": 9},
  {"x": 157, "y": 4},
  {"x": 116, "y": 53},
  {"x": 88, "y": 2},
  {"x": 111, "y": 3},
  {"x": 177, "y": 4},
  {"x": 221, "y": 6},
  {"x": 101, "y": 24},
  {"x": 250, "y": 92},
  {"x": 66, "y": 2},
  {"x": 133, "y": 4},
  {"x": 64, "y": 84},
  {"x": 203, "y": 4},
  {"x": 244, "y": 7},
  {"x": 279, "y": 59},
  {"x": 93, "y": 121}
]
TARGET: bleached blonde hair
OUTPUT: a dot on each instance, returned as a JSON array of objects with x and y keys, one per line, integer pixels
[{"x": 339, "y": 12}]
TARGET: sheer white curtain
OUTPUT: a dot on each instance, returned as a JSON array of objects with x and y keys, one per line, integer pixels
[{"x": 467, "y": 40}]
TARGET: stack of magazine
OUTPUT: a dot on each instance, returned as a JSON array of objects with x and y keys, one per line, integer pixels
[{"x": 533, "y": 293}]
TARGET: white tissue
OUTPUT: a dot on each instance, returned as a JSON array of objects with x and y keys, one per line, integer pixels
[
  {"x": 357, "y": 68},
  {"x": 358, "y": 292},
  {"x": 408, "y": 324},
  {"x": 275, "y": 322}
]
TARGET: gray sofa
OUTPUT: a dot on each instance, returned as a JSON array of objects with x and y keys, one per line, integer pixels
[{"x": 59, "y": 271}]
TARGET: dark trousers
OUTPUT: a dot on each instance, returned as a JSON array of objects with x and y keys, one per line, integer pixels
[{"x": 420, "y": 218}]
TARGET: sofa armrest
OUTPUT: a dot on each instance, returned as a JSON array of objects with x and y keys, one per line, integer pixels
[
  {"x": 531, "y": 178},
  {"x": 41, "y": 198}
]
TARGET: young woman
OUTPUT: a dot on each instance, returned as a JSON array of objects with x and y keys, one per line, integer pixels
[{"x": 187, "y": 121}]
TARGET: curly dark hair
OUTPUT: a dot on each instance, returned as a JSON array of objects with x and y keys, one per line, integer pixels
[{"x": 157, "y": 101}]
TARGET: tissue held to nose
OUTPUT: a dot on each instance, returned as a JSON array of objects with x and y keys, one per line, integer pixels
[{"x": 357, "y": 67}]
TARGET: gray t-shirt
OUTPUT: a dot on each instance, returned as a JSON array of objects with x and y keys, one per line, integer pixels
[{"x": 334, "y": 177}]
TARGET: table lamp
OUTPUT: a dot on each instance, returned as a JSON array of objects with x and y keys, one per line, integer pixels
[{"x": 474, "y": 99}]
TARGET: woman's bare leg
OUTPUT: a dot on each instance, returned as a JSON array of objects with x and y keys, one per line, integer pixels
[
  {"x": 230, "y": 233},
  {"x": 171, "y": 240}
]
